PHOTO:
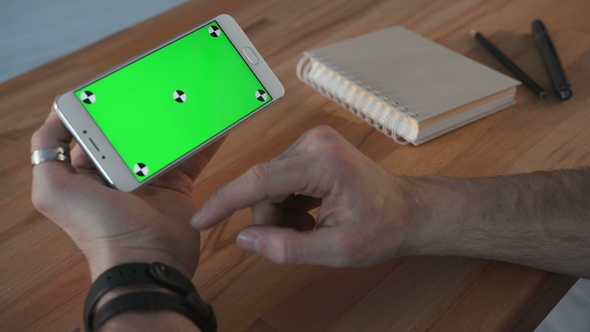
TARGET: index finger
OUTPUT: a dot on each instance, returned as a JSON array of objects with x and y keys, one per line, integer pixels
[{"x": 259, "y": 183}]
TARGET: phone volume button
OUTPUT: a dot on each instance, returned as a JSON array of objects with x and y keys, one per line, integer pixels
[{"x": 250, "y": 55}]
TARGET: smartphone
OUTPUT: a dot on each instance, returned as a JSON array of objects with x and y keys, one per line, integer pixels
[{"x": 142, "y": 118}]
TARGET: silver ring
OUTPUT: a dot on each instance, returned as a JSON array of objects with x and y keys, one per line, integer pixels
[{"x": 50, "y": 154}]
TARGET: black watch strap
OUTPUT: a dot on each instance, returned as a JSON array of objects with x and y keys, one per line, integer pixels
[
  {"x": 153, "y": 301},
  {"x": 143, "y": 273}
]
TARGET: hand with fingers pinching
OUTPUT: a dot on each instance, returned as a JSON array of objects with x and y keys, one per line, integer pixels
[
  {"x": 361, "y": 219},
  {"x": 112, "y": 227},
  {"x": 367, "y": 215}
]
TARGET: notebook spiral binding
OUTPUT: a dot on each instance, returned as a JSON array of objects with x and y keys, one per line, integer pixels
[{"x": 379, "y": 111}]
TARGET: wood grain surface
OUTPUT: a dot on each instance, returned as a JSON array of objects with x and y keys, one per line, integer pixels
[{"x": 44, "y": 278}]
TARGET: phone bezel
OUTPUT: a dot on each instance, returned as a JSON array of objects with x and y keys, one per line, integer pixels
[{"x": 103, "y": 154}]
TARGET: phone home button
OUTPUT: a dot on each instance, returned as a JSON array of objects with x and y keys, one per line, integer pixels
[{"x": 250, "y": 55}]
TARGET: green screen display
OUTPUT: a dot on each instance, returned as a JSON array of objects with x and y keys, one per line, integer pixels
[{"x": 158, "y": 108}]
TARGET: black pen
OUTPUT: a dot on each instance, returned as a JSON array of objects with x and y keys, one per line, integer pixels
[
  {"x": 549, "y": 54},
  {"x": 521, "y": 75}
]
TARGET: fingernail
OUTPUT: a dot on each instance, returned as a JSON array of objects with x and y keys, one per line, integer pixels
[
  {"x": 249, "y": 241},
  {"x": 196, "y": 219}
]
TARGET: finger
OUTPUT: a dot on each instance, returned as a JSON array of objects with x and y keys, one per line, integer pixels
[
  {"x": 83, "y": 165},
  {"x": 193, "y": 166},
  {"x": 304, "y": 203},
  {"x": 288, "y": 246},
  {"x": 266, "y": 213},
  {"x": 49, "y": 177},
  {"x": 290, "y": 211},
  {"x": 50, "y": 135},
  {"x": 259, "y": 183},
  {"x": 81, "y": 162},
  {"x": 269, "y": 212},
  {"x": 291, "y": 150},
  {"x": 298, "y": 220}
]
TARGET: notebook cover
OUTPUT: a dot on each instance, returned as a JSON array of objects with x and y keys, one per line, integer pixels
[{"x": 416, "y": 72}]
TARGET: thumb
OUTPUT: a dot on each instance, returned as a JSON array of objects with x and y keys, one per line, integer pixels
[{"x": 289, "y": 246}]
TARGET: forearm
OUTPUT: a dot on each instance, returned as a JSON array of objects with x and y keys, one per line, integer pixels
[{"x": 540, "y": 219}]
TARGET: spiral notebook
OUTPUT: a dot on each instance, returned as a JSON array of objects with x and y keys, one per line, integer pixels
[{"x": 410, "y": 88}]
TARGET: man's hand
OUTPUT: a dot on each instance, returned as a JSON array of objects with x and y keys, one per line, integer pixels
[
  {"x": 113, "y": 227},
  {"x": 367, "y": 215},
  {"x": 362, "y": 218}
]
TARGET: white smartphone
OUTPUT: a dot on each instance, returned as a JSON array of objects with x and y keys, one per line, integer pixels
[{"x": 142, "y": 118}]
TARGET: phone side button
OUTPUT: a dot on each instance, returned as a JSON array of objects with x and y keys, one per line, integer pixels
[{"x": 250, "y": 55}]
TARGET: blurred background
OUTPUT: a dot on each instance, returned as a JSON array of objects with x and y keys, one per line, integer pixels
[{"x": 34, "y": 32}]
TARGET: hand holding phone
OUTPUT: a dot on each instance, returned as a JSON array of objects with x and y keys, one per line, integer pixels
[
  {"x": 142, "y": 118},
  {"x": 112, "y": 227}
]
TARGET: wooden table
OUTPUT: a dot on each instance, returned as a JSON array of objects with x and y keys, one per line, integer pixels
[{"x": 44, "y": 279}]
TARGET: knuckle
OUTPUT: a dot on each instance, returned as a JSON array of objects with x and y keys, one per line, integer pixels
[
  {"x": 336, "y": 152},
  {"x": 334, "y": 156},
  {"x": 256, "y": 174},
  {"x": 322, "y": 133}
]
